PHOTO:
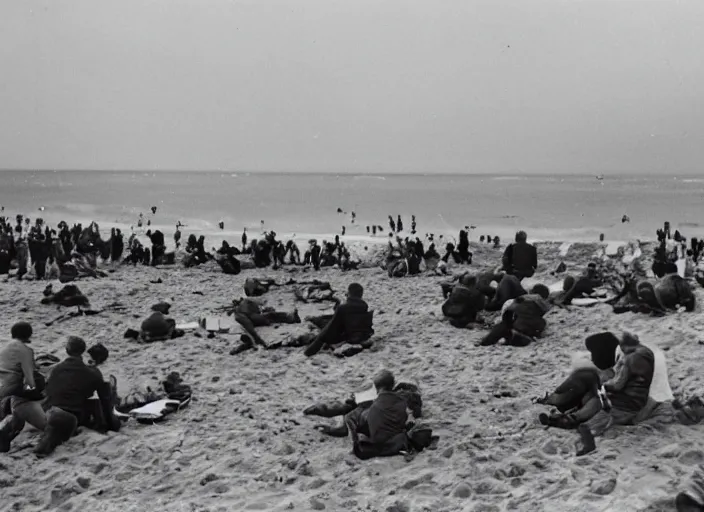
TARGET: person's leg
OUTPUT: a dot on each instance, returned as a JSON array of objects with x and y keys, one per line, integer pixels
[
  {"x": 595, "y": 426},
  {"x": 280, "y": 317},
  {"x": 60, "y": 427},
  {"x": 29, "y": 412},
  {"x": 509, "y": 288},
  {"x": 245, "y": 322},
  {"x": 498, "y": 332}
]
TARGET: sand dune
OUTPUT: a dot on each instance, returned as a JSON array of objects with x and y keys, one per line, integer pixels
[{"x": 243, "y": 444}]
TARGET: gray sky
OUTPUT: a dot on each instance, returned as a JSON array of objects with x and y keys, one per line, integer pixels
[{"x": 353, "y": 85}]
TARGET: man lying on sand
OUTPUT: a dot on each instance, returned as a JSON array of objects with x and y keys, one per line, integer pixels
[
  {"x": 667, "y": 294},
  {"x": 350, "y": 323},
  {"x": 583, "y": 285},
  {"x": 249, "y": 314},
  {"x": 628, "y": 392},
  {"x": 522, "y": 321},
  {"x": 381, "y": 427}
]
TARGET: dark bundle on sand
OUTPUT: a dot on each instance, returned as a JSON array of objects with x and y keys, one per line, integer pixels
[{"x": 69, "y": 296}]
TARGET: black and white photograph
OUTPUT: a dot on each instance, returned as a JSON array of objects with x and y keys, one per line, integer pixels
[{"x": 352, "y": 255}]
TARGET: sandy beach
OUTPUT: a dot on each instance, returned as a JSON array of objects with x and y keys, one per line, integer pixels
[{"x": 244, "y": 444}]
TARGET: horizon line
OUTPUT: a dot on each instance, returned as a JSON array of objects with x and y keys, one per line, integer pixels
[{"x": 366, "y": 173}]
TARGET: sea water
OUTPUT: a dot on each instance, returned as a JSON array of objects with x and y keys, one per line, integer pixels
[{"x": 568, "y": 208}]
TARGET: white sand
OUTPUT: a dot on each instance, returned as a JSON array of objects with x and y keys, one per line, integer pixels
[{"x": 243, "y": 444}]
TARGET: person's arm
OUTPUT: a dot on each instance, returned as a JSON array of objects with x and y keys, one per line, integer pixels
[
  {"x": 534, "y": 257},
  {"x": 507, "y": 258},
  {"x": 619, "y": 381},
  {"x": 27, "y": 363}
]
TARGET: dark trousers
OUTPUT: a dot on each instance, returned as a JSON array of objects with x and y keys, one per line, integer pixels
[
  {"x": 509, "y": 288},
  {"x": 60, "y": 427},
  {"x": 518, "y": 333}
]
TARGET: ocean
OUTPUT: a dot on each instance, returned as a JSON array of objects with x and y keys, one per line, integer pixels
[{"x": 565, "y": 208}]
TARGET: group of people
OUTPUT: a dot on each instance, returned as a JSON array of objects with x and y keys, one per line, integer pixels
[{"x": 56, "y": 405}]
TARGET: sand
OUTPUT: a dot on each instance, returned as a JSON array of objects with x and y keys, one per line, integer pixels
[{"x": 243, "y": 444}]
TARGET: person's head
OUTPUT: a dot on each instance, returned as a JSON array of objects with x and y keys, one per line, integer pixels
[
  {"x": 629, "y": 342},
  {"x": 75, "y": 346},
  {"x": 646, "y": 292},
  {"x": 384, "y": 381},
  {"x": 542, "y": 290},
  {"x": 521, "y": 237},
  {"x": 468, "y": 280},
  {"x": 98, "y": 354},
  {"x": 21, "y": 331},
  {"x": 355, "y": 291}
]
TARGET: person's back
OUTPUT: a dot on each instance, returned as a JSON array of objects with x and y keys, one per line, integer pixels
[
  {"x": 464, "y": 300},
  {"x": 673, "y": 291},
  {"x": 531, "y": 305},
  {"x": 639, "y": 367},
  {"x": 16, "y": 361},
  {"x": 71, "y": 383},
  {"x": 520, "y": 258},
  {"x": 387, "y": 417},
  {"x": 13, "y": 356}
]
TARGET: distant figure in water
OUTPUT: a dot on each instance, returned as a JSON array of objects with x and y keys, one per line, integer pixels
[
  {"x": 625, "y": 219},
  {"x": 381, "y": 229},
  {"x": 149, "y": 222},
  {"x": 374, "y": 230},
  {"x": 392, "y": 225},
  {"x": 153, "y": 210},
  {"x": 343, "y": 230},
  {"x": 244, "y": 239},
  {"x": 488, "y": 239},
  {"x": 481, "y": 239},
  {"x": 497, "y": 242},
  {"x": 177, "y": 237},
  {"x": 354, "y": 216},
  {"x": 413, "y": 224},
  {"x": 601, "y": 237},
  {"x": 399, "y": 224},
  {"x": 339, "y": 210},
  {"x": 221, "y": 224},
  {"x": 140, "y": 221},
  {"x": 368, "y": 229}
]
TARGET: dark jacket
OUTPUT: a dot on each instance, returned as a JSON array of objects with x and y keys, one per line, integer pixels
[
  {"x": 630, "y": 387},
  {"x": 463, "y": 302},
  {"x": 520, "y": 259},
  {"x": 71, "y": 383},
  {"x": 386, "y": 417}
]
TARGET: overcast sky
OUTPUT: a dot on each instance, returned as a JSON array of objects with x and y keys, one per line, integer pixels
[{"x": 356, "y": 85}]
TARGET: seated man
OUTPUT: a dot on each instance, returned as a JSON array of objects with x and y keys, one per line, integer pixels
[
  {"x": 464, "y": 303},
  {"x": 522, "y": 321},
  {"x": 628, "y": 391},
  {"x": 577, "y": 398},
  {"x": 349, "y": 323},
  {"x": 520, "y": 259},
  {"x": 70, "y": 386}
]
